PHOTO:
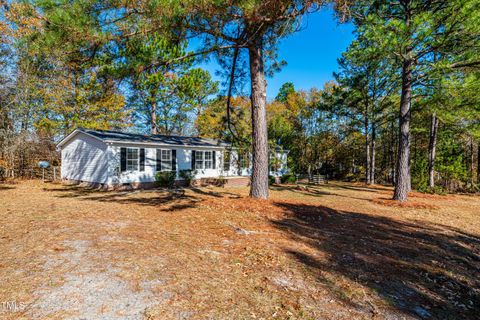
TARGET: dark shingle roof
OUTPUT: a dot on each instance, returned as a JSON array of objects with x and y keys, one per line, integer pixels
[{"x": 116, "y": 136}]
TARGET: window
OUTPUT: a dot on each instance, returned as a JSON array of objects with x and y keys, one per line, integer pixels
[
  {"x": 132, "y": 159},
  {"x": 198, "y": 159},
  {"x": 166, "y": 160},
  {"x": 204, "y": 160},
  {"x": 208, "y": 160}
]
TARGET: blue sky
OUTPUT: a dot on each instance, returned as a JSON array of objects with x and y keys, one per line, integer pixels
[{"x": 311, "y": 53}]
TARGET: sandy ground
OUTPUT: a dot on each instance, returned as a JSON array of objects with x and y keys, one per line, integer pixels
[{"x": 337, "y": 251}]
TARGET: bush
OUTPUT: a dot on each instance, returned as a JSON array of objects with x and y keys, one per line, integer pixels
[
  {"x": 271, "y": 180},
  {"x": 3, "y": 173},
  {"x": 288, "y": 178},
  {"x": 166, "y": 179},
  {"x": 187, "y": 175},
  {"x": 435, "y": 190}
]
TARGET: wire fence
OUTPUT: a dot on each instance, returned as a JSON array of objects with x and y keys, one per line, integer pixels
[
  {"x": 51, "y": 173},
  {"x": 312, "y": 178}
]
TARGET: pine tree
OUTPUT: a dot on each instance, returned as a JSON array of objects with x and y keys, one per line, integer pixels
[
  {"x": 411, "y": 31},
  {"x": 165, "y": 96}
]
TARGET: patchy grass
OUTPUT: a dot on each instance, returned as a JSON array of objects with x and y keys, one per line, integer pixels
[{"x": 313, "y": 252}]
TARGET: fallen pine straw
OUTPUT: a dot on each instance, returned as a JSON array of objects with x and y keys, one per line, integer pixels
[
  {"x": 319, "y": 252},
  {"x": 422, "y": 195},
  {"x": 405, "y": 204}
]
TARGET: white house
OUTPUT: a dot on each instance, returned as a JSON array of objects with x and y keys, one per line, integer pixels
[{"x": 111, "y": 158}]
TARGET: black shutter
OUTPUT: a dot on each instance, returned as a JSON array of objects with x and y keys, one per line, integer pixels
[
  {"x": 159, "y": 160},
  {"x": 142, "y": 159},
  {"x": 174, "y": 160},
  {"x": 193, "y": 159},
  {"x": 214, "y": 159},
  {"x": 123, "y": 159}
]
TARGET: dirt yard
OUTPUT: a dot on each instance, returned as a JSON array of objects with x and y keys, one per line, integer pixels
[{"x": 338, "y": 251}]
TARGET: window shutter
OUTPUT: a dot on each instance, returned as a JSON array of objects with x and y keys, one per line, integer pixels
[
  {"x": 214, "y": 159},
  {"x": 174, "y": 160},
  {"x": 193, "y": 159},
  {"x": 159, "y": 160},
  {"x": 142, "y": 159},
  {"x": 123, "y": 159}
]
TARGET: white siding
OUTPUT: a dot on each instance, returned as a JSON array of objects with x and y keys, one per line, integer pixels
[
  {"x": 184, "y": 162},
  {"x": 118, "y": 177},
  {"x": 203, "y": 173},
  {"x": 236, "y": 171},
  {"x": 234, "y": 166},
  {"x": 85, "y": 159}
]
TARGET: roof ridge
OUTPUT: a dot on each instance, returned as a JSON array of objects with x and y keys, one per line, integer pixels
[
  {"x": 145, "y": 135},
  {"x": 132, "y": 137}
]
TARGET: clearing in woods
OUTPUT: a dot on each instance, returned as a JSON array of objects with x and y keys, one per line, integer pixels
[{"x": 336, "y": 251}]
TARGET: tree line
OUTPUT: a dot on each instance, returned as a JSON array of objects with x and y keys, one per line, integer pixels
[{"x": 403, "y": 108}]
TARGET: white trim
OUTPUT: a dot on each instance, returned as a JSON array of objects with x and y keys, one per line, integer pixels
[{"x": 74, "y": 133}]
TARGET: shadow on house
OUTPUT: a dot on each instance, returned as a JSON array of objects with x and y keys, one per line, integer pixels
[{"x": 426, "y": 271}]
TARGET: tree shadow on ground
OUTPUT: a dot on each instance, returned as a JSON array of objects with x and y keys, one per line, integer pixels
[
  {"x": 366, "y": 188},
  {"x": 4, "y": 187},
  {"x": 426, "y": 271},
  {"x": 74, "y": 191},
  {"x": 315, "y": 190},
  {"x": 304, "y": 189},
  {"x": 216, "y": 194},
  {"x": 162, "y": 199}
]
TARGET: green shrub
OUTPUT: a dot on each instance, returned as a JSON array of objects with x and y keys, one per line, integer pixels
[
  {"x": 288, "y": 178},
  {"x": 187, "y": 175},
  {"x": 420, "y": 174},
  {"x": 166, "y": 179},
  {"x": 271, "y": 179},
  {"x": 435, "y": 190}
]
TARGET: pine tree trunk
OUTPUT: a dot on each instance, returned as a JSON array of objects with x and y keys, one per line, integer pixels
[
  {"x": 392, "y": 155},
  {"x": 432, "y": 146},
  {"x": 472, "y": 162},
  {"x": 367, "y": 153},
  {"x": 415, "y": 149},
  {"x": 259, "y": 184},
  {"x": 372, "y": 161},
  {"x": 478, "y": 163},
  {"x": 385, "y": 161},
  {"x": 153, "y": 114},
  {"x": 403, "y": 183}
]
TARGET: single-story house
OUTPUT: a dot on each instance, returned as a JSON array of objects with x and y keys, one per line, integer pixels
[{"x": 111, "y": 158}]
